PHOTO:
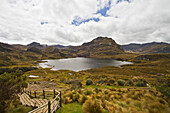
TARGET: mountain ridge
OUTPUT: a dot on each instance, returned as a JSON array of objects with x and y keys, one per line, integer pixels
[{"x": 147, "y": 48}]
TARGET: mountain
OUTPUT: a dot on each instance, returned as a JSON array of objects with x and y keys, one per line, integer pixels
[
  {"x": 58, "y": 46},
  {"x": 17, "y": 54},
  {"x": 100, "y": 47},
  {"x": 38, "y": 45},
  {"x": 35, "y": 44},
  {"x": 147, "y": 48},
  {"x": 5, "y": 47}
]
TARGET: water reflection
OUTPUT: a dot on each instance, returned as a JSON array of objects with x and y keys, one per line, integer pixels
[{"x": 80, "y": 63}]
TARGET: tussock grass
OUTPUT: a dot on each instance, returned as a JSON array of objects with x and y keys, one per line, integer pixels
[{"x": 92, "y": 106}]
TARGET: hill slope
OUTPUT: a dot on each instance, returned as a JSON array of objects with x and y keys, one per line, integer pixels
[
  {"x": 148, "y": 48},
  {"x": 101, "y": 47}
]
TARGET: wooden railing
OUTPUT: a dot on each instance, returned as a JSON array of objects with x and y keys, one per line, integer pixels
[
  {"x": 41, "y": 94},
  {"x": 49, "y": 106}
]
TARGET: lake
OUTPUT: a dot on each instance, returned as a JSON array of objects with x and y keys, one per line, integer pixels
[{"x": 80, "y": 63}]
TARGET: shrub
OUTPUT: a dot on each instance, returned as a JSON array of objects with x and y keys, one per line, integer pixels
[
  {"x": 130, "y": 82},
  {"x": 65, "y": 100},
  {"x": 88, "y": 92},
  {"x": 162, "y": 101},
  {"x": 103, "y": 104},
  {"x": 112, "y": 89},
  {"x": 76, "y": 84},
  {"x": 10, "y": 85},
  {"x": 89, "y": 82},
  {"x": 111, "y": 81},
  {"x": 97, "y": 90},
  {"x": 102, "y": 81},
  {"x": 111, "y": 109},
  {"x": 70, "y": 95},
  {"x": 140, "y": 84},
  {"x": 79, "y": 91},
  {"x": 128, "y": 101},
  {"x": 157, "y": 108},
  {"x": 82, "y": 99},
  {"x": 92, "y": 107},
  {"x": 121, "y": 82},
  {"x": 106, "y": 92},
  {"x": 76, "y": 97}
]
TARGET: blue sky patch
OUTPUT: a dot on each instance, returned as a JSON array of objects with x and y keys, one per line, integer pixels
[
  {"x": 104, "y": 10},
  {"x": 42, "y": 23},
  {"x": 77, "y": 20}
]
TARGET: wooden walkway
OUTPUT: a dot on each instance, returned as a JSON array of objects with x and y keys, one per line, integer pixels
[{"x": 43, "y": 105}]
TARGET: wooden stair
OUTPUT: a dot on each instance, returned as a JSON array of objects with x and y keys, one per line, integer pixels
[{"x": 41, "y": 104}]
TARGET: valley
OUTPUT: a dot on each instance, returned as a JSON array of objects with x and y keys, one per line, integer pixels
[{"x": 113, "y": 89}]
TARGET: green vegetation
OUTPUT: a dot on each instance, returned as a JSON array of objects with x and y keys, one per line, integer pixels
[
  {"x": 89, "y": 82},
  {"x": 130, "y": 82},
  {"x": 121, "y": 82},
  {"x": 148, "y": 48},
  {"x": 92, "y": 107},
  {"x": 71, "y": 108},
  {"x": 140, "y": 84},
  {"x": 10, "y": 85},
  {"x": 140, "y": 87},
  {"x": 16, "y": 107},
  {"x": 119, "y": 100}
]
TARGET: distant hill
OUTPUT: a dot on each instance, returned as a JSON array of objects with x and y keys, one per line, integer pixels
[
  {"x": 147, "y": 48},
  {"x": 152, "y": 57},
  {"x": 16, "y": 53},
  {"x": 35, "y": 44},
  {"x": 5, "y": 47},
  {"x": 100, "y": 47},
  {"x": 58, "y": 46}
]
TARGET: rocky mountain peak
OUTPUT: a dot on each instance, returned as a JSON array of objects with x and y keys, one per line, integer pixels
[{"x": 35, "y": 44}]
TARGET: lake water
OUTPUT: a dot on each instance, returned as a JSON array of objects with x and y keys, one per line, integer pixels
[{"x": 80, "y": 63}]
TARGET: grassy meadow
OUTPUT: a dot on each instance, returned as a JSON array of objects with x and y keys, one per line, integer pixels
[{"x": 142, "y": 87}]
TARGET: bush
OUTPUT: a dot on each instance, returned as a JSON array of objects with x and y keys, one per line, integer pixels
[
  {"x": 10, "y": 85},
  {"x": 65, "y": 100},
  {"x": 89, "y": 82},
  {"x": 92, "y": 107},
  {"x": 111, "y": 81},
  {"x": 82, "y": 99},
  {"x": 70, "y": 95},
  {"x": 121, "y": 82},
  {"x": 140, "y": 84},
  {"x": 76, "y": 84},
  {"x": 130, "y": 82},
  {"x": 76, "y": 97},
  {"x": 88, "y": 92}
]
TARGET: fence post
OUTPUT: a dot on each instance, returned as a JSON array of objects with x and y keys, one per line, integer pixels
[
  {"x": 35, "y": 93},
  {"x": 49, "y": 107},
  {"x": 30, "y": 93},
  {"x": 54, "y": 93},
  {"x": 60, "y": 100},
  {"x": 44, "y": 94}
]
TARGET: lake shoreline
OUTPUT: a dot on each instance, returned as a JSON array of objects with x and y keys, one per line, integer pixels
[{"x": 80, "y": 63}]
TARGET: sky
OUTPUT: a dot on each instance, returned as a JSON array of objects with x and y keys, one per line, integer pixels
[{"x": 72, "y": 22}]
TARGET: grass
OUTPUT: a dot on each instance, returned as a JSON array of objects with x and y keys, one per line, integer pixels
[
  {"x": 155, "y": 73},
  {"x": 107, "y": 87},
  {"x": 71, "y": 108},
  {"x": 20, "y": 109}
]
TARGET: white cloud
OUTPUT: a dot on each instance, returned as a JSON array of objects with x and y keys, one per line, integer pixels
[{"x": 139, "y": 21}]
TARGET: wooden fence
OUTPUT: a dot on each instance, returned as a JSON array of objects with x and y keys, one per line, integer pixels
[{"x": 47, "y": 102}]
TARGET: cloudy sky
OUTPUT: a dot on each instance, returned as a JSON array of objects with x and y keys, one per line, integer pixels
[{"x": 72, "y": 22}]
